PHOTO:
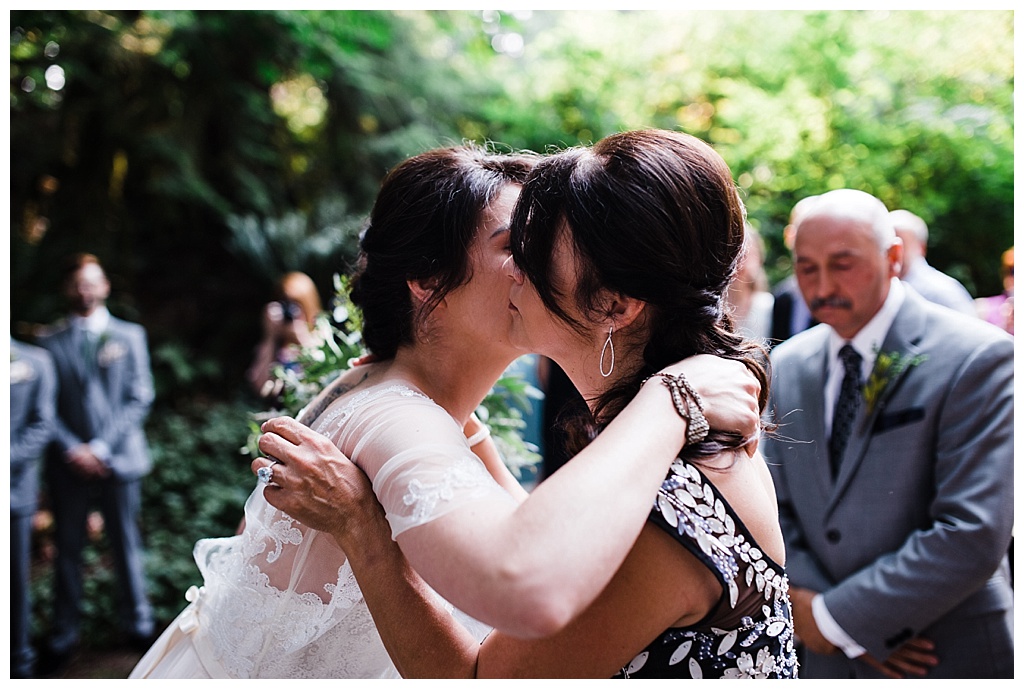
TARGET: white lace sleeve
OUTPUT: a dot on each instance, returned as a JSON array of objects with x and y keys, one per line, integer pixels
[
  {"x": 427, "y": 482},
  {"x": 280, "y": 599},
  {"x": 416, "y": 455}
]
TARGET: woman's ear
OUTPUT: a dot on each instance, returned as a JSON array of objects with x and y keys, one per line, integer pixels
[
  {"x": 623, "y": 310},
  {"x": 422, "y": 291}
]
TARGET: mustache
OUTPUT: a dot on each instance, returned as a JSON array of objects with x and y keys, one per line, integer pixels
[{"x": 832, "y": 302}]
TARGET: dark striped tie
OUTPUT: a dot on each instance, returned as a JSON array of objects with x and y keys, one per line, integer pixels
[{"x": 846, "y": 406}]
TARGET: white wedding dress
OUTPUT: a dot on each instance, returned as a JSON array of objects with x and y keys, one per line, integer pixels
[{"x": 279, "y": 599}]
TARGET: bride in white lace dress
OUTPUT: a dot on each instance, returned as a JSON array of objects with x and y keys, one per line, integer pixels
[{"x": 280, "y": 600}]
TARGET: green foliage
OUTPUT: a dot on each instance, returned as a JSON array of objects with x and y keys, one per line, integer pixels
[
  {"x": 912, "y": 106},
  {"x": 198, "y": 486},
  {"x": 201, "y": 154},
  {"x": 502, "y": 410}
]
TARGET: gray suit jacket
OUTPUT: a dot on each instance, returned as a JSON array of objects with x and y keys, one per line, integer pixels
[
  {"x": 33, "y": 411},
  {"x": 106, "y": 401},
  {"x": 911, "y": 538}
]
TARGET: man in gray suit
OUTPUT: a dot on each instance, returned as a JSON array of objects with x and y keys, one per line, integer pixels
[
  {"x": 33, "y": 408},
  {"x": 893, "y": 463},
  {"x": 99, "y": 451}
]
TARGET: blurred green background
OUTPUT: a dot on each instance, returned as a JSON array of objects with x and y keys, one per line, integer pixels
[{"x": 201, "y": 154}]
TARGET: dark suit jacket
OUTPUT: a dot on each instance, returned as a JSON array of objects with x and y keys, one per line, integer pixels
[
  {"x": 107, "y": 401},
  {"x": 33, "y": 415},
  {"x": 911, "y": 538},
  {"x": 789, "y": 312}
]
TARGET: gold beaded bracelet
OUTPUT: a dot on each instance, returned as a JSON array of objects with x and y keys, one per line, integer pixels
[{"x": 688, "y": 405}]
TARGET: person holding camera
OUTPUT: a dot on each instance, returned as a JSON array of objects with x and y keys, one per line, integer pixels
[{"x": 289, "y": 324}]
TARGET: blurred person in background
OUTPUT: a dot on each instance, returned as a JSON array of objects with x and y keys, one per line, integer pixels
[
  {"x": 33, "y": 385},
  {"x": 99, "y": 452},
  {"x": 790, "y": 314},
  {"x": 932, "y": 284},
  {"x": 893, "y": 463},
  {"x": 748, "y": 294},
  {"x": 290, "y": 323},
  {"x": 998, "y": 310}
]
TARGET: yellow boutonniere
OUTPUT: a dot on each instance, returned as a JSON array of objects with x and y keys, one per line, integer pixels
[{"x": 888, "y": 365}]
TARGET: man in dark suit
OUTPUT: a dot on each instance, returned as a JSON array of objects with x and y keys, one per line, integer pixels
[
  {"x": 99, "y": 451},
  {"x": 33, "y": 408},
  {"x": 893, "y": 463},
  {"x": 790, "y": 314}
]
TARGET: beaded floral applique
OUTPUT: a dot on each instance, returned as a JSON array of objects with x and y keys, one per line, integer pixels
[{"x": 762, "y": 645}]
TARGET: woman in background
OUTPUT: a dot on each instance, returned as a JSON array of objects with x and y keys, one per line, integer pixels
[{"x": 292, "y": 321}]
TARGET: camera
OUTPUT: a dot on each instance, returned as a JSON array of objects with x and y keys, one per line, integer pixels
[{"x": 290, "y": 311}]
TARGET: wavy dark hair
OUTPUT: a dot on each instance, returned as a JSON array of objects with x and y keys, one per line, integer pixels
[
  {"x": 421, "y": 226},
  {"x": 652, "y": 215}
]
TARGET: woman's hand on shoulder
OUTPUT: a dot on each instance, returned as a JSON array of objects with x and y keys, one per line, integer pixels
[
  {"x": 313, "y": 481},
  {"x": 729, "y": 392}
]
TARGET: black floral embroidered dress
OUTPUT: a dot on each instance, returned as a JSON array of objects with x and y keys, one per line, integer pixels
[{"x": 749, "y": 633}]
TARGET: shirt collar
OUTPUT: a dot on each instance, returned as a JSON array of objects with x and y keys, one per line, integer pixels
[
  {"x": 868, "y": 340},
  {"x": 95, "y": 323}
]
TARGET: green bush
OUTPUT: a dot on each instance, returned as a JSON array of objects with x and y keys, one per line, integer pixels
[{"x": 197, "y": 489}]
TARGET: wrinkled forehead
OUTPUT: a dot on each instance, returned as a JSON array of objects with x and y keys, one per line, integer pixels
[{"x": 860, "y": 217}]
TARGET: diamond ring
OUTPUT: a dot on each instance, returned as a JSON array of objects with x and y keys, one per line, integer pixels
[{"x": 265, "y": 474}]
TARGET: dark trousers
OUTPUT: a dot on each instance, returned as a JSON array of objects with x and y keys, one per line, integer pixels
[
  {"x": 22, "y": 655},
  {"x": 120, "y": 503}
]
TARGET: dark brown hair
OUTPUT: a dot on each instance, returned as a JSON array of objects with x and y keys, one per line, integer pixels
[
  {"x": 653, "y": 215},
  {"x": 421, "y": 227}
]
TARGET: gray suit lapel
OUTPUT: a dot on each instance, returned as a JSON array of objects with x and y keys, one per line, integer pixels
[{"x": 902, "y": 338}]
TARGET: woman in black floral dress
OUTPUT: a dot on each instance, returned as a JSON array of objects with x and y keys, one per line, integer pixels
[
  {"x": 623, "y": 253},
  {"x": 749, "y": 633}
]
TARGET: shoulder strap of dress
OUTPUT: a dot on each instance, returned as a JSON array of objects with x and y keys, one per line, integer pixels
[
  {"x": 691, "y": 509},
  {"x": 688, "y": 508}
]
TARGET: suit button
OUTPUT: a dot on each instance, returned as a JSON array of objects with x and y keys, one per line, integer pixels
[{"x": 833, "y": 535}]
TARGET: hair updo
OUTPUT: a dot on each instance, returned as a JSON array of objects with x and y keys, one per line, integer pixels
[
  {"x": 653, "y": 215},
  {"x": 420, "y": 228}
]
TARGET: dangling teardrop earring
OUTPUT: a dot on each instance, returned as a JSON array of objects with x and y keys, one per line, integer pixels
[{"x": 608, "y": 346}]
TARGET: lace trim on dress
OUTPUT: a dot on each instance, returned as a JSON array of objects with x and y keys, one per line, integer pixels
[
  {"x": 280, "y": 600},
  {"x": 340, "y": 414},
  {"x": 464, "y": 472}
]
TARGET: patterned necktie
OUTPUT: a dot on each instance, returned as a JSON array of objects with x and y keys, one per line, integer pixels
[{"x": 846, "y": 406}]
